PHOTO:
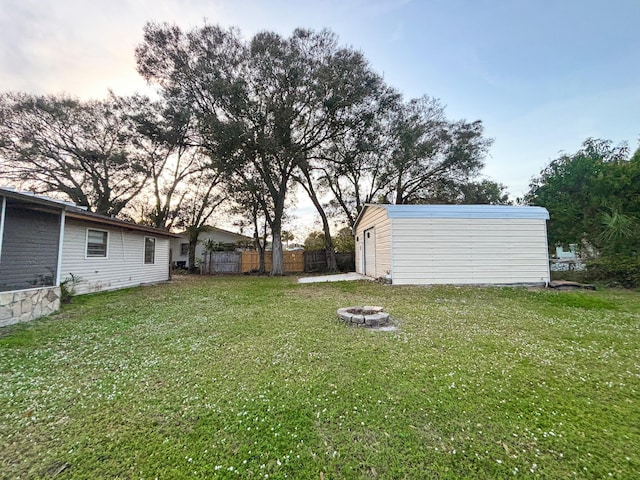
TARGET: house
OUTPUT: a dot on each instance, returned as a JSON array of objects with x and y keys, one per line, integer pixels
[
  {"x": 453, "y": 244},
  {"x": 180, "y": 244},
  {"x": 44, "y": 242}
]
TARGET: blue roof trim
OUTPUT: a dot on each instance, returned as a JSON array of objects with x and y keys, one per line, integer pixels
[{"x": 465, "y": 211}]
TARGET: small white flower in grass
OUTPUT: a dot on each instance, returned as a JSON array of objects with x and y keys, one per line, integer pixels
[{"x": 499, "y": 461}]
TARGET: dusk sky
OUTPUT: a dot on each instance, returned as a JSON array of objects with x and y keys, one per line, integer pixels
[{"x": 542, "y": 75}]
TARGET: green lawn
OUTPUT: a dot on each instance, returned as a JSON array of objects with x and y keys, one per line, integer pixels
[{"x": 250, "y": 377}]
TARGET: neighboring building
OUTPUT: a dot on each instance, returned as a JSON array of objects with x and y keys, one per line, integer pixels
[
  {"x": 453, "y": 244},
  {"x": 566, "y": 260},
  {"x": 44, "y": 242},
  {"x": 180, "y": 245}
]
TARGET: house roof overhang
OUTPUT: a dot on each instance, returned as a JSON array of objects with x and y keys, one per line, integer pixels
[{"x": 75, "y": 212}]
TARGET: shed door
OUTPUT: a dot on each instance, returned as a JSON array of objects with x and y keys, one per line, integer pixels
[{"x": 370, "y": 252}]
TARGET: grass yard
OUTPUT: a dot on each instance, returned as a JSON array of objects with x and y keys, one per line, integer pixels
[{"x": 247, "y": 377}]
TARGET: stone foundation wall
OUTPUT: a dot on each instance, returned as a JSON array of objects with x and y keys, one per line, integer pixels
[{"x": 26, "y": 305}]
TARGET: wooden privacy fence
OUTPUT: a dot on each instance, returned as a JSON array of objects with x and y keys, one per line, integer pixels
[
  {"x": 316, "y": 261},
  {"x": 293, "y": 261},
  {"x": 222, "y": 262}
]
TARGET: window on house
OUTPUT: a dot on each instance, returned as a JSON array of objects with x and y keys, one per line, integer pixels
[
  {"x": 97, "y": 243},
  {"x": 184, "y": 249},
  {"x": 149, "y": 250}
]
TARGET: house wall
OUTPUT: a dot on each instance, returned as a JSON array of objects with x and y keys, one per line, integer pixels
[
  {"x": 124, "y": 265},
  {"x": 30, "y": 248},
  {"x": 469, "y": 251},
  {"x": 377, "y": 218},
  {"x": 216, "y": 236}
]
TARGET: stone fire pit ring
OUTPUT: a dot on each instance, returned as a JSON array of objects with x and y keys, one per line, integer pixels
[{"x": 367, "y": 316}]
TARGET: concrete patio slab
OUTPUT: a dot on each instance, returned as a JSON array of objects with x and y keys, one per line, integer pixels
[{"x": 340, "y": 277}]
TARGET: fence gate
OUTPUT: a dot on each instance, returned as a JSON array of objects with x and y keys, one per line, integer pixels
[{"x": 223, "y": 262}]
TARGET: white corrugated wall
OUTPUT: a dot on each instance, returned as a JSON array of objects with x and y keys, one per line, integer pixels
[
  {"x": 377, "y": 218},
  {"x": 469, "y": 251},
  {"x": 124, "y": 265}
]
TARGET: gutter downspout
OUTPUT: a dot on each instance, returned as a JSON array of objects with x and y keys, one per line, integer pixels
[
  {"x": 546, "y": 244},
  {"x": 60, "y": 240},
  {"x": 2, "y": 216}
]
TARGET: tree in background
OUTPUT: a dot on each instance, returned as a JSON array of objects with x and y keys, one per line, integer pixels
[
  {"x": 593, "y": 198},
  {"x": 287, "y": 237},
  {"x": 344, "y": 241},
  {"x": 430, "y": 153},
  {"x": 167, "y": 137},
  {"x": 578, "y": 188},
  {"x": 314, "y": 241},
  {"x": 350, "y": 164},
  {"x": 203, "y": 196},
  {"x": 264, "y": 106},
  {"x": 483, "y": 192},
  {"x": 84, "y": 150}
]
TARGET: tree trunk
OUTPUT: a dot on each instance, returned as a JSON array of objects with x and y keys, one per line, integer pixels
[
  {"x": 193, "y": 242},
  {"x": 259, "y": 244},
  {"x": 261, "y": 265},
  {"x": 328, "y": 243},
  {"x": 277, "y": 263}
]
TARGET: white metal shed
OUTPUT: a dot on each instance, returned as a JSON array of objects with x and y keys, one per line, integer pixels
[{"x": 453, "y": 244}]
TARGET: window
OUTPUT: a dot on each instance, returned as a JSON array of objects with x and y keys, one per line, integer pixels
[
  {"x": 149, "y": 250},
  {"x": 184, "y": 249},
  {"x": 97, "y": 243}
]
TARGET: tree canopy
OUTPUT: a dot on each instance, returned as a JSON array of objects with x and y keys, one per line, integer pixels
[
  {"x": 85, "y": 150},
  {"x": 593, "y": 197},
  {"x": 264, "y": 106},
  {"x": 249, "y": 122}
]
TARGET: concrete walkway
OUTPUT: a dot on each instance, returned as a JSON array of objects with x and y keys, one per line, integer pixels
[{"x": 340, "y": 277}]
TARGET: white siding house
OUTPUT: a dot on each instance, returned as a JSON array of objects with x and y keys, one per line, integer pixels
[
  {"x": 44, "y": 242},
  {"x": 180, "y": 244},
  {"x": 453, "y": 244},
  {"x": 108, "y": 256}
]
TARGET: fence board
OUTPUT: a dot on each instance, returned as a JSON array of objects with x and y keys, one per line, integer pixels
[
  {"x": 316, "y": 261},
  {"x": 222, "y": 262},
  {"x": 293, "y": 261}
]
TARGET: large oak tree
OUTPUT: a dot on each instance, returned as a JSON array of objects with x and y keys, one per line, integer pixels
[
  {"x": 264, "y": 106},
  {"x": 84, "y": 150}
]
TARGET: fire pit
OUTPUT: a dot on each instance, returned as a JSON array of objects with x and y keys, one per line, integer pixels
[{"x": 367, "y": 316}]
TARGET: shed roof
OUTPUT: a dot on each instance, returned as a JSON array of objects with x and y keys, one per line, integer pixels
[
  {"x": 458, "y": 211},
  {"x": 212, "y": 229}
]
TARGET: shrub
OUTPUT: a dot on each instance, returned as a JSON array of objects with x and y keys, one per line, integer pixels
[
  {"x": 68, "y": 288},
  {"x": 624, "y": 271}
]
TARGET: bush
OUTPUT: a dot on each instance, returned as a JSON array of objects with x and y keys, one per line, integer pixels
[
  {"x": 68, "y": 288},
  {"x": 624, "y": 271}
]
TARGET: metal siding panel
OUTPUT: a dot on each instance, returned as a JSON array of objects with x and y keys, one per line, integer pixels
[
  {"x": 426, "y": 252},
  {"x": 375, "y": 216}
]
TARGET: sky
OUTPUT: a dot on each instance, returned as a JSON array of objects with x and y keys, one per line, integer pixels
[{"x": 542, "y": 75}]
